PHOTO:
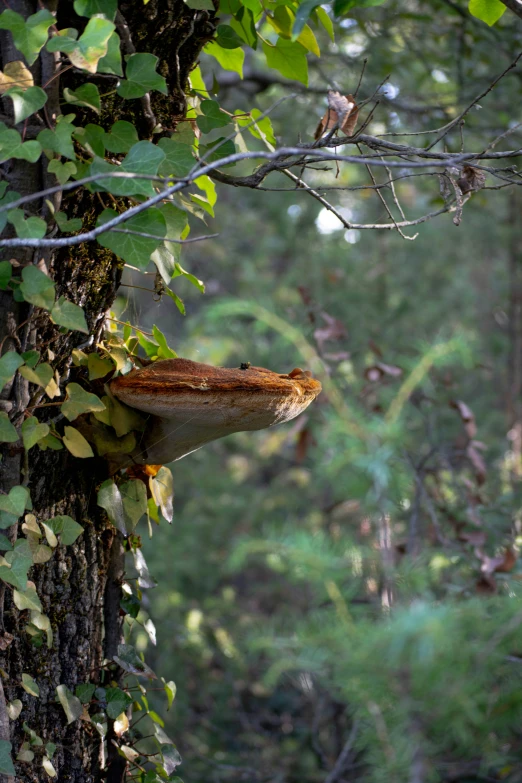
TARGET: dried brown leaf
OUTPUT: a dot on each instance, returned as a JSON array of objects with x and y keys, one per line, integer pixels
[
  {"x": 471, "y": 179},
  {"x": 477, "y": 461},
  {"x": 333, "y": 330},
  {"x": 342, "y": 113},
  {"x": 466, "y": 414}
]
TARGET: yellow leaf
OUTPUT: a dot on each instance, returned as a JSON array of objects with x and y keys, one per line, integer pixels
[
  {"x": 76, "y": 443},
  {"x": 15, "y": 74}
]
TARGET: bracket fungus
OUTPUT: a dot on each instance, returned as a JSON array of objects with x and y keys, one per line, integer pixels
[{"x": 191, "y": 404}]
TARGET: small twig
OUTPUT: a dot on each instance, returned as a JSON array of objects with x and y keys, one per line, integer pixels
[
  {"x": 343, "y": 757},
  {"x": 493, "y": 84},
  {"x": 163, "y": 239},
  {"x": 360, "y": 77},
  {"x": 326, "y": 204}
]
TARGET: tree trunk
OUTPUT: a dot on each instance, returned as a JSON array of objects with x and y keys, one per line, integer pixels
[{"x": 79, "y": 586}]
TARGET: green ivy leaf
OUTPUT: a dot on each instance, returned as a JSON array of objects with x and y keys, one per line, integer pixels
[
  {"x": 170, "y": 690},
  {"x": 302, "y": 15},
  {"x": 17, "y": 565},
  {"x": 177, "y": 301},
  {"x": 229, "y": 59},
  {"x": 179, "y": 160},
  {"x": 90, "y": 47},
  {"x": 66, "y": 225},
  {"x": 65, "y": 527},
  {"x": 170, "y": 758},
  {"x": 76, "y": 443},
  {"x": 9, "y": 364},
  {"x": 33, "y": 431},
  {"x": 62, "y": 171},
  {"x": 27, "y": 599},
  {"x": 26, "y": 102},
  {"x": 15, "y": 502},
  {"x": 85, "y": 692},
  {"x": 80, "y": 401},
  {"x": 109, "y": 498},
  {"x": 141, "y": 77},
  {"x": 200, "y": 5},
  {"x": 134, "y": 500},
  {"x": 32, "y": 228},
  {"x": 30, "y": 686},
  {"x": 8, "y": 433},
  {"x": 111, "y": 63},
  {"x": 262, "y": 129},
  {"x": 11, "y": 145},
  {"x": 289, "y": 58},
  {"x": 150, "y": 347},
  {"x": 92, "y": 137},
  {"x": 31, "y": 358},
  {"x": 71, "y": 704},
  {"x": 227, "y": 37},
  {"x": 29, "y": 35},
  {"x": 218, "y": 149},
  {"x": 6, "y": 271},
  {"x": 145, "y": 580},
  {"x": 326, "y": 22},
  {"x": 92, "y": 7},
  {"x": 121, "y": 137},
  {"x": 143, "y": 158},
  {"x": 70, "y": 315},
  {"x": 85, "y": 95},
  {"x": 98, "y": 367},
  {"x": 212, "y": 117},
  {"x": 164, "y": 351},
  {"x": 342, "y": 7},
  {"x": 488, "y": 11},
  {"x": 131, "y": 605},
  {"x": 42, "y": 375},
  {"x": 199, "y": 284},
  {"x": 134, "y": 249},
  {"x": 117, "y": 702},
  {"x": 130, "y": 662},
  {"x": 123, "y": 418},
  {"x": 166, "y": 256},
  {"x": 37, "y": 288},
  {"x": 6, "y": 762},
  {"x": 59, "y": 140}
]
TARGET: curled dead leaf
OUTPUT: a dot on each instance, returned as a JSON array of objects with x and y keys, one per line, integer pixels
[
  {"x": 5, "y": 640},
  {"x": 477, "y": 460},
  {"x": 503, "y": 563},
  {"x": 467, "y": 417},
  {"x": 471, "y": 179},
  {"x": 379, "y": 370},
  {"x": 342, "y": 113},
  {"x": 333, "y": 330}
]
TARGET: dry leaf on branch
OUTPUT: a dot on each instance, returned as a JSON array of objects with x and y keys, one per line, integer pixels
[
  {"x": 379, "y": 370},
  {"x": 334, "y": 330},
  {"x": 471, "y": 179},
  {"x": 342, "y": 113},
  {"x": 466, "y": 414}
]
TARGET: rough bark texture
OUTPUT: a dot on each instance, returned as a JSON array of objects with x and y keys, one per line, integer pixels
[{"x": 79, "y": 586}]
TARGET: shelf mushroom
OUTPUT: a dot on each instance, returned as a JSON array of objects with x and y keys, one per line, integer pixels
[{"x": 191, "y": 404}]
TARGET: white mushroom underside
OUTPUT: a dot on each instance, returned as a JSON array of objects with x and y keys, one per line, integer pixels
[{"x": 171, "y": 435}]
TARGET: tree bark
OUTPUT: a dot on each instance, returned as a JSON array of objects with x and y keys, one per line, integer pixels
[{"x": 80, "y": 585}]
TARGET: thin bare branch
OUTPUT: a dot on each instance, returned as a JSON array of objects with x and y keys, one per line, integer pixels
[
  {"x": 164, "y": 239},
  {"x": 468, "y": 108}
]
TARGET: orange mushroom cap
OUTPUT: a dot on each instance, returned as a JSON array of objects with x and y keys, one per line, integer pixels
[{"x": 193, "y": 404}]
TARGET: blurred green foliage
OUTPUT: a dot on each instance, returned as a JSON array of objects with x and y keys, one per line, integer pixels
[{"x": 340, "y": 596}]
